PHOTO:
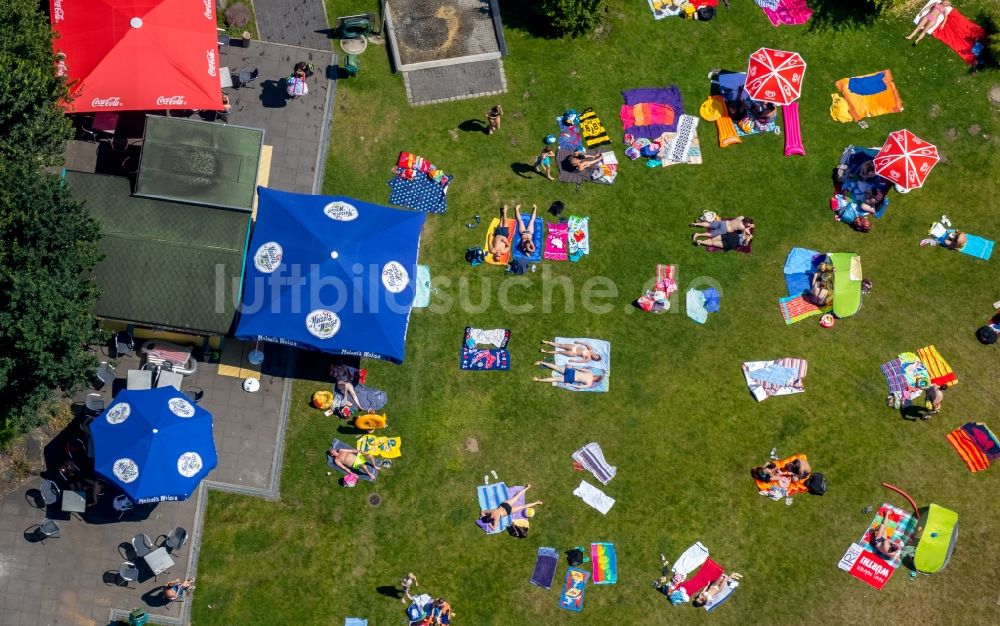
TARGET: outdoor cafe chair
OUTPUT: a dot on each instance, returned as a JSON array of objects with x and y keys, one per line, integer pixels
[
  {"x": 245, "y": 77},
  {"x": 45, "y": 529},
  {"x": 123, "y": 344},
  {"x": 175, "y": 539},
  {"x": 142, "y": 545},
  {"x": 105, "y": 374},
  {"x": 50, "y": 493},
  {"x": 94, "y": 403},
  {"x": 128, "y": 572}
]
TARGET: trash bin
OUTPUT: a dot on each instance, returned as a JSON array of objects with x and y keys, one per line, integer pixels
[
  {"x": 138, "y": 617},
  {"x": 351, "y": 65}
]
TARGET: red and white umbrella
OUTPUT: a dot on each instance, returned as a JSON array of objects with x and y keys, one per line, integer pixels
[
  {"x": 905, "y": 159},
  {"x": 775, "y": 76}
]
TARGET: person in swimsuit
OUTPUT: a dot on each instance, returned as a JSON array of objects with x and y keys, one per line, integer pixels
[
  {"x": 822, "y": 284},
  {"x": 527, "y": 231},
  {"x": 175, "y": 589},
  {"x": 883, "y": 543},
  {"x": 736, "y": 235},
  {"x": 578, "y": 378},
  {"x": 934, "y": 17},
  {"x": 441, "y": 612},
  {"x": 715, "y": 588},
  {"x": 493, "y": 119},
  {"x": 507, "y": 507},
  {"x": 717, "y": 228},
  {"x": 584, "y": 352},
  {"x": 350, "y": 460},
  {"x": 344, "y": 377},
  {"x": 500, "y": 244},
  {"x": 544, "y": 161},
  {"x": 581, "y": 161}
]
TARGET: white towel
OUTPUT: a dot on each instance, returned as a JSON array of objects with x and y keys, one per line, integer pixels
[
  {"x": 594, "y": 497},
  {"x": 486, "y": 337},
  {"x": 691, "y": 560},
  {"x": 591, "y": 457}
]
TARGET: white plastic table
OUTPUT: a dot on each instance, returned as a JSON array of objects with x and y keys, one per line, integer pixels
[{"x": 158, "y": 561}]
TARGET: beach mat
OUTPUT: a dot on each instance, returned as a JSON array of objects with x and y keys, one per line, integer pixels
[
  {"x": 537, "y": 236},
  {"x": 337, "y": 444},
  {"x": 567, "y": 173},
  {"x": 494, "y": 223},
  {"x": 571, "y": 597},
  {"x": 966, "y": 448},
  {"x": 797, "y": 308},
  {"x": 545, "y": 568},
  {"x": 474, "y": 358}
]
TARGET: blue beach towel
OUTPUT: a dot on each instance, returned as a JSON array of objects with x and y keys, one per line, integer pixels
[
  {"x": 337, "y": 444},
  {"x": 602, "y": 367},
  {"x": 421, "y": 193},
  {"x": 978, "y": 247},
  {"x": 423, "y": 297},
  {"x": 536, "y": 237},
  {"x": 490, "y": 497},
  {"x": 775, "y": 374},
  {"x": 867, "y": 85}
]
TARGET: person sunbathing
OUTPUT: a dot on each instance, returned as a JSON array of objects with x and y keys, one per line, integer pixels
[
  {"x": 741, "y": 236},
  {"x": 508, "y": 507},
  {"x": 581, "y": 161},
  {"x": 527, "y": 232},
  {"x": 719, "y": 227},
  {"x": 935, "y": 16},
  {"x": 715, "y": 588},
  {"x": 349, "y": 460},
  {"x": 343, "y": 376},
  {"x": 500, "y": 244},
  {"x": 175, "y": 589},
  {"x": 820, "y": 290},
  {"x": 577, "y": 378},
  {"x": 955, "y": 240},
  {"x": 798, "y": 469},
  {"x": 582, "y": 351},
  {"x": 883, "y": 543}
]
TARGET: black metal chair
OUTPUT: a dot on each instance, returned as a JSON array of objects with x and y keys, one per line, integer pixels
[
  {"x": 123, "y": 344},
  {"x": 93, "y": 404},
  {"x": 245, "y": 77},
  {"x": 105, "y": 374},
  {"x": 142, "y": 545},
  {"x": 128, "y": 573},
  {"x": 175, "y": 540},
  {"x": 45, "y": 529},
  {"x": 194, "y": 394}
]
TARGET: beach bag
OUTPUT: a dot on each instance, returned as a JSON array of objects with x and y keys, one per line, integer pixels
[
  {"x": 517, "y": 267},
  {"x": 475, "y": 256},
  {"x": 574, "y": 557},
  {"x": 816, "y": 484},
  {"x": 862, "y": 225},
  {"x": 986, "y": 335},
  {"x": 704, "y": 14}
]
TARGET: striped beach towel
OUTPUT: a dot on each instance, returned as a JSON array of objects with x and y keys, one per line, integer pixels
[
  {"x": 775, "y": 378},
  {"x": 797, "y": 308},
  {"x": 490, "y": 497},
  {"x": 893, "y": 372},
  {"x": 591, "y": 458},
  {"x": 591, "y": 129},
  {"x": 686, "y": 129},
  {"x": 974, "y": 459},
  {"x": 941, "y": 373}
]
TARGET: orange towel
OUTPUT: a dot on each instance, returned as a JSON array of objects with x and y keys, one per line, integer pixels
[
  {"x": 974, "y": 459},
  {"x": 798, "y": 486},
  {"x": 874, "y": 105},
  {"x": 511, "y": 226},
  {"x": 725, "y": 125},
  {"x": 941, "y": 373}
]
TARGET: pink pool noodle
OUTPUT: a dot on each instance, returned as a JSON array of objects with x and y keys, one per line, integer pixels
[{"x": 793, "y": 132}]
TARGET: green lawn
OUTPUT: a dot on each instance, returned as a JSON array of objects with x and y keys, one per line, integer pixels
[{"x": 678, "y": 421}]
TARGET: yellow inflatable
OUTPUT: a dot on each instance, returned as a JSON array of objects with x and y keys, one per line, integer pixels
[
  {"x": 322, "y": 400},
  {"x": 370, "y": 421}
]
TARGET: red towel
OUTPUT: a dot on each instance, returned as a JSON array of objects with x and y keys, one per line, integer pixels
[
  {"x": 974, "y": 459},
  {"x": 959, "y": 33},
  {"x": 707, "y": 574}
]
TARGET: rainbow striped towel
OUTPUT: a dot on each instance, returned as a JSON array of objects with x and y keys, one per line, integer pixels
[
  {"x": 797, "y": 308},
  {"x": 974, "y": 459}
]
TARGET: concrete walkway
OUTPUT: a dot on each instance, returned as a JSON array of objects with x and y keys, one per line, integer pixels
[{"x": 299, "y": 23}]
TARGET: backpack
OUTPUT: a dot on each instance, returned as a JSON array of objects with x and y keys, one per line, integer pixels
[
  {"x": 986, "y": 335},
  {"x": 816, "y": 484},
  {"x": 574, "y": 557},
  {"x": 517, "y": 531},
  {"x": 475, "y": 256},
  {"x": 705, "y": 13},
  {"x": 517, "y": 267}
]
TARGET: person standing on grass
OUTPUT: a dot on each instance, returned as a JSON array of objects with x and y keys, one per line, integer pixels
[
  {"x": 543, "y": 162},
  {"x": 493, "y": 119},
  {"x": 406, "y": 583},
  {"x": 934, "y": 396}
]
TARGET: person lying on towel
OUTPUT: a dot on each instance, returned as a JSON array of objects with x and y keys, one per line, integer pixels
[
  {"x": 581, "y": 161},
  {"x": 724, "y": 234},
  {"x": 883, "y": 543},
  {"x": 526, "y": 229},
  {"x": 350, "y": 460},
  {"x": 506, "y": 508},
  {"x": 715, "y": 588},
  {"x": 798, "y": 469},
  {"x": 821, "y": 291},
  {"x": 579, "y": 351},
  {"x": 578, "y": 378},
  {"x": 500, "y": 244}
]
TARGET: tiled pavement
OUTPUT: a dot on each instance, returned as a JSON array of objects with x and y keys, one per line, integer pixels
[
  {"x": 455, "y": 82},
  {"x": 300, "y": 23},
  {"x": 63, "y": 580}
]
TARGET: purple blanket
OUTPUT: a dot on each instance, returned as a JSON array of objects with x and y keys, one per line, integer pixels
[{"x": 670, "y": 96}]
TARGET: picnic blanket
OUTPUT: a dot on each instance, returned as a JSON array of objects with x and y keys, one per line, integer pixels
[
  {"x": 601, "y": 367},
  {"x": 377, "y": 445},
  {"x": 797, "y": 308},
  {"x": 898, "y": 389},
  {"x": 785, "y": 12},
  {"x": 374, "y": 468},
  {"x": 592, "y": 130},
  {"x": 870, "y": 95},
  {"x": 419, "y": 184},
  {"x": 591, "y": 458},
  {"x": 594, "y": 497},
  {"x": 651, "y": 111},
  {"x": 490, "y": 497},
  {"x": 569, "y": 134},
  {"x": 545, "y": 567},
  {"x": 475, "y": 357},
  {"x": 604, "y": 561},
  {"x": 569, "y": 174},
  {"x": 578, "y": 237},
  {"x": 729, "y": 85},
  {"x": 975, "y": 459},
  {"x": 571, "y": 597},
  {"x": 783, "y": 487},
  {"x": 940, "y": 372},
  {"x": 494, "y": 223},
  {"x": 957, "y": 32},
  {"x": 537, "y": 234},
  {"x": 556, "y": 242},
  {"x": 779, "y": 377}
]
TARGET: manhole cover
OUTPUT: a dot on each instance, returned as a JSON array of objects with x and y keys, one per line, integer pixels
[
  {"x": 374, "y": 499},
  {"x": 354, "y": 46}
]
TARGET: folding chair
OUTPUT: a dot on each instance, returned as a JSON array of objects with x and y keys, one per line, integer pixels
[
  {"x": 45, "y": 529},
  {"x": 245, "y": 77}
]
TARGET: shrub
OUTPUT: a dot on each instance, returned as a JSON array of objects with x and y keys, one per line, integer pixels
[{"x": 572, "y": 17}]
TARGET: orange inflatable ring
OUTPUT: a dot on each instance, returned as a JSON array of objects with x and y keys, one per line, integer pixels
[{"x": 322, "y": 400}]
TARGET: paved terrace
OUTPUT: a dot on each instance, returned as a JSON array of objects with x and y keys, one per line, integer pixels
[{"x": 69, "y": 580}]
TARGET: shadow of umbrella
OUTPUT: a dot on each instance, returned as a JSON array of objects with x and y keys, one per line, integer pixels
[{"x": 273, "y": 94}]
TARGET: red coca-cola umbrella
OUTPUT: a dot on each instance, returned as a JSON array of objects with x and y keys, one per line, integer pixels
[
  {"x": 905, "y": 159},
  {"x": 137, "y": 55},
  {"x": 775, "y": 76}
]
